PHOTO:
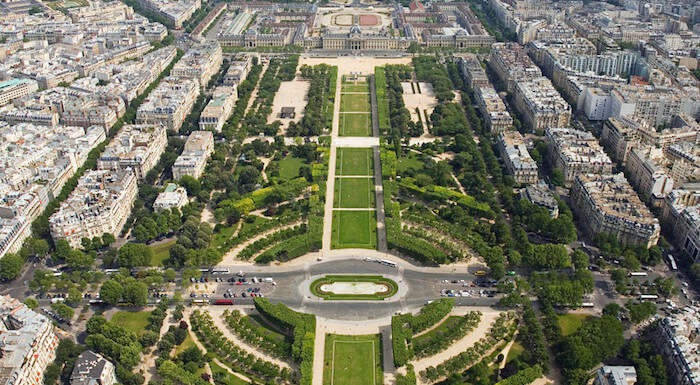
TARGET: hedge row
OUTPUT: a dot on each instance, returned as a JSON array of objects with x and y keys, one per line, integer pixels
[
  {"x": 440, "y": 341},
  {"x": 290, "y": 248},
  {"x": 273, "y": 238},
  {"x": 431, "y": 314},
  {"x": 523, "y": 377},
  {"x": 256, "y": 335},
  {"x": 501, "y": 329},
  {"x": 401, "y": 335},
  {"x": 382, "y": 101},
  {"x": 239, "y": 360},
  {"x": 303, "y": 328},
  {"x": 454, "y": 251},
  {"x": 441, "y": 194}
]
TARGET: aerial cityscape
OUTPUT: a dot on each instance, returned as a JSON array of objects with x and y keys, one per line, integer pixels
[{"x": 349, "y": 192}]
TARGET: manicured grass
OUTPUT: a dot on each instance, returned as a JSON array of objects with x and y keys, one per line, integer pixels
[
  {"x": 353, "y": 193},
  {"x": 354, "y": 103},
  {"x": 392, "y": 287},
  {"x": 132, "y": 320},
  {"x": 353, "y": 124},
  {"x": 161, "y": 252},
  {"x": 289, "y": 167},
  {"x": 257, "y": 320},
  {"x": 354, "y": 161},
  {"x": 186, "y": 344},
  {"x": 224, "y": 234},
  {"x": 354, "y": 229},
  {"x": 515, "y": 351},
  {"x": 360, "y": 87},
  {"x": 352, "y": 360},
  {"x": 438, "y": 330},
  {"x": 569, "y": 322},
  {"x": 410, "y": 161},
  {"x": 225, "y": 377}
]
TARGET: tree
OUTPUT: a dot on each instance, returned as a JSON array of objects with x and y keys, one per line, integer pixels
[
  {"x": 108, "y": 239},
  {"x": 190, "y": 184},
  {"x": 78, "y": 259},
  {"x": 612, "y": 309},
  {"x": 557, "y": 177},
  {"x": 63, "y": 310},
  {"x": 111, "y": 291},
  {"x": 135, "y": 293},
  {"x": 62, "y": 249},
  {"x": 665, "y": 286},
  {"x": 31, "y": 303},
  {"x": 579, "y": 259},
  {"x": 10, "y": 266},
  {"x": 134, "y": 254}
]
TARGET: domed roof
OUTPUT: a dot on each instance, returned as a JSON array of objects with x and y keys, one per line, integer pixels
[{"x": 355, "y": 29}]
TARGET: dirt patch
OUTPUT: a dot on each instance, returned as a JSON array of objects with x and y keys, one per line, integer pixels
[
  {"x": 346, "y": 65},
  {"x": 369, "y": 20},
  {"x": 290, "y": 94}
]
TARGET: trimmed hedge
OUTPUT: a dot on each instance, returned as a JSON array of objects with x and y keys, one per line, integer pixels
[
  {"x": 523, "y": 377},
  {"x": 431, "y": 314},
  {"x": 301, "y": 326}
]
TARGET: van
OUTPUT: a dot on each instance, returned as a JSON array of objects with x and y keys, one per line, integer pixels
[{"x": 267, "y": 280}]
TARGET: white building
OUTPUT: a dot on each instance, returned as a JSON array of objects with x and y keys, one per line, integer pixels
[
  {"x": 198, "y": 148},
  {"x": 597, "y": 104},
  {"x": 173, "y": 196},
  {"x": 517, "y": 159},
  {"x": 137, "y": 147},
  {"x": 616, "y": 375},
  {"x": 27, "y": 344},
  {"x": 16, "y": 88},
  {"x": 218, "y": 109},
  {"x": 100, "y": 203}
]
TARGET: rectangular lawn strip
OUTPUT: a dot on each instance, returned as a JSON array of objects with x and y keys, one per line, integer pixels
[
  {"x": 354, "y": 229},
  {"x": 352, "y": 360},
  {"x": 354, "y": 103},
  {"x": 361, "y": 87},
  {"x": 354, "y": 161},
  {"x": 354, "y": 193},
  {"x": 355, "y": 124},
  {"x": 135, "y": 321}
]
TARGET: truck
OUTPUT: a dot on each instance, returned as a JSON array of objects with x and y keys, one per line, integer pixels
[{"x": 647, "y": 297}]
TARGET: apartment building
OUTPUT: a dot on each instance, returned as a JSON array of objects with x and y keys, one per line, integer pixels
[
  {"x": 173, "y": 196},
  {"x": 193, "y": 160},
  {"x": 100, "y": 203},
  {"x": 540, "y": 195},
  {"x": 93, "y": 369},
  {"x": 16, "y": 88},
  {"x": 517, "y": 159},
  {"x": 169, "y": 103},
  {"x": 218, "y": 109},
  {"x": 677, "y": 340},
  {"x": 576, "y": 152},
  {"x": 238, "y": 70},
  {"x": 647, "y": 172},
  {"x": 608, "y": 204},
  {"x": 618, "y": 137},
  {"x": 200, "y": 62},
  {"x": 681, "y": 212},
  {"x": 511, "y": 63},
  {"x": 657, "y": 105},
  {"x": 27, "y": 343},
  {"x": 685, "y": 157},
  {"x": 472, "y": 72},
  {"x": 493, "y": 110},
  {"x": 135, "y": 147},
  {"x": 177, "y": 11},
  {"x": 540, "y": 104},
  {"x": 615, "y": 375}
]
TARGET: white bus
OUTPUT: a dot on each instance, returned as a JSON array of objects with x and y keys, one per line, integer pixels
[
  {"x": 672, "y": 262},
  {"x": 646, "y": 297},
  {"x": 387, "y": 263},
  {"x": 587, "y": 304},
  {"x": 219, "y": 270},
  {"x": 638, "y": 274}
]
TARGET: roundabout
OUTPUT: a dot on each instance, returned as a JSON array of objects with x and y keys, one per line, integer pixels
[{"x": 354, "y": 287}]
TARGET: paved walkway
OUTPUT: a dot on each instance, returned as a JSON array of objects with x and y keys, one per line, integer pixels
[{"x": 330, "y": 181}]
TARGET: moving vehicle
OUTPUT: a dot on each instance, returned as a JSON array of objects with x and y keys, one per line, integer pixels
[{"x": 480, "y": 273}]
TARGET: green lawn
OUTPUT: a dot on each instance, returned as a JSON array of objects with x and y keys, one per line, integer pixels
[
  {"x": 354, "y": 161},
  {"x": 354, "y": 229},
  {"x": 258, "y": 321},
  {"x": 289, "y": 167},
  {"x": 569, "y": 322},
  {"x": 444, "y": 327},
  {"x": 410, "y": 161},
  {"x": 354, "y": 103},
  {"x": 359, "y": 87},
  {"x": 186, "y": 344},
  {"x": 224, "y": 234},
  {"x": 161, "y": 252},
  {"x": 353, "y": 193},
  {"x": 226, "y": 378},
  {"x": 391, "y": 287},
  {"x": 354, "y": 124},
  {"x": 135, "y": 321},
  {"x": 515, "y": 351},
  {"x": 352, "y": 360}
]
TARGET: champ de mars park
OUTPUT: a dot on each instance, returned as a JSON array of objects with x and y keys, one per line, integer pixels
[{"x": 344, "y": 193}]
